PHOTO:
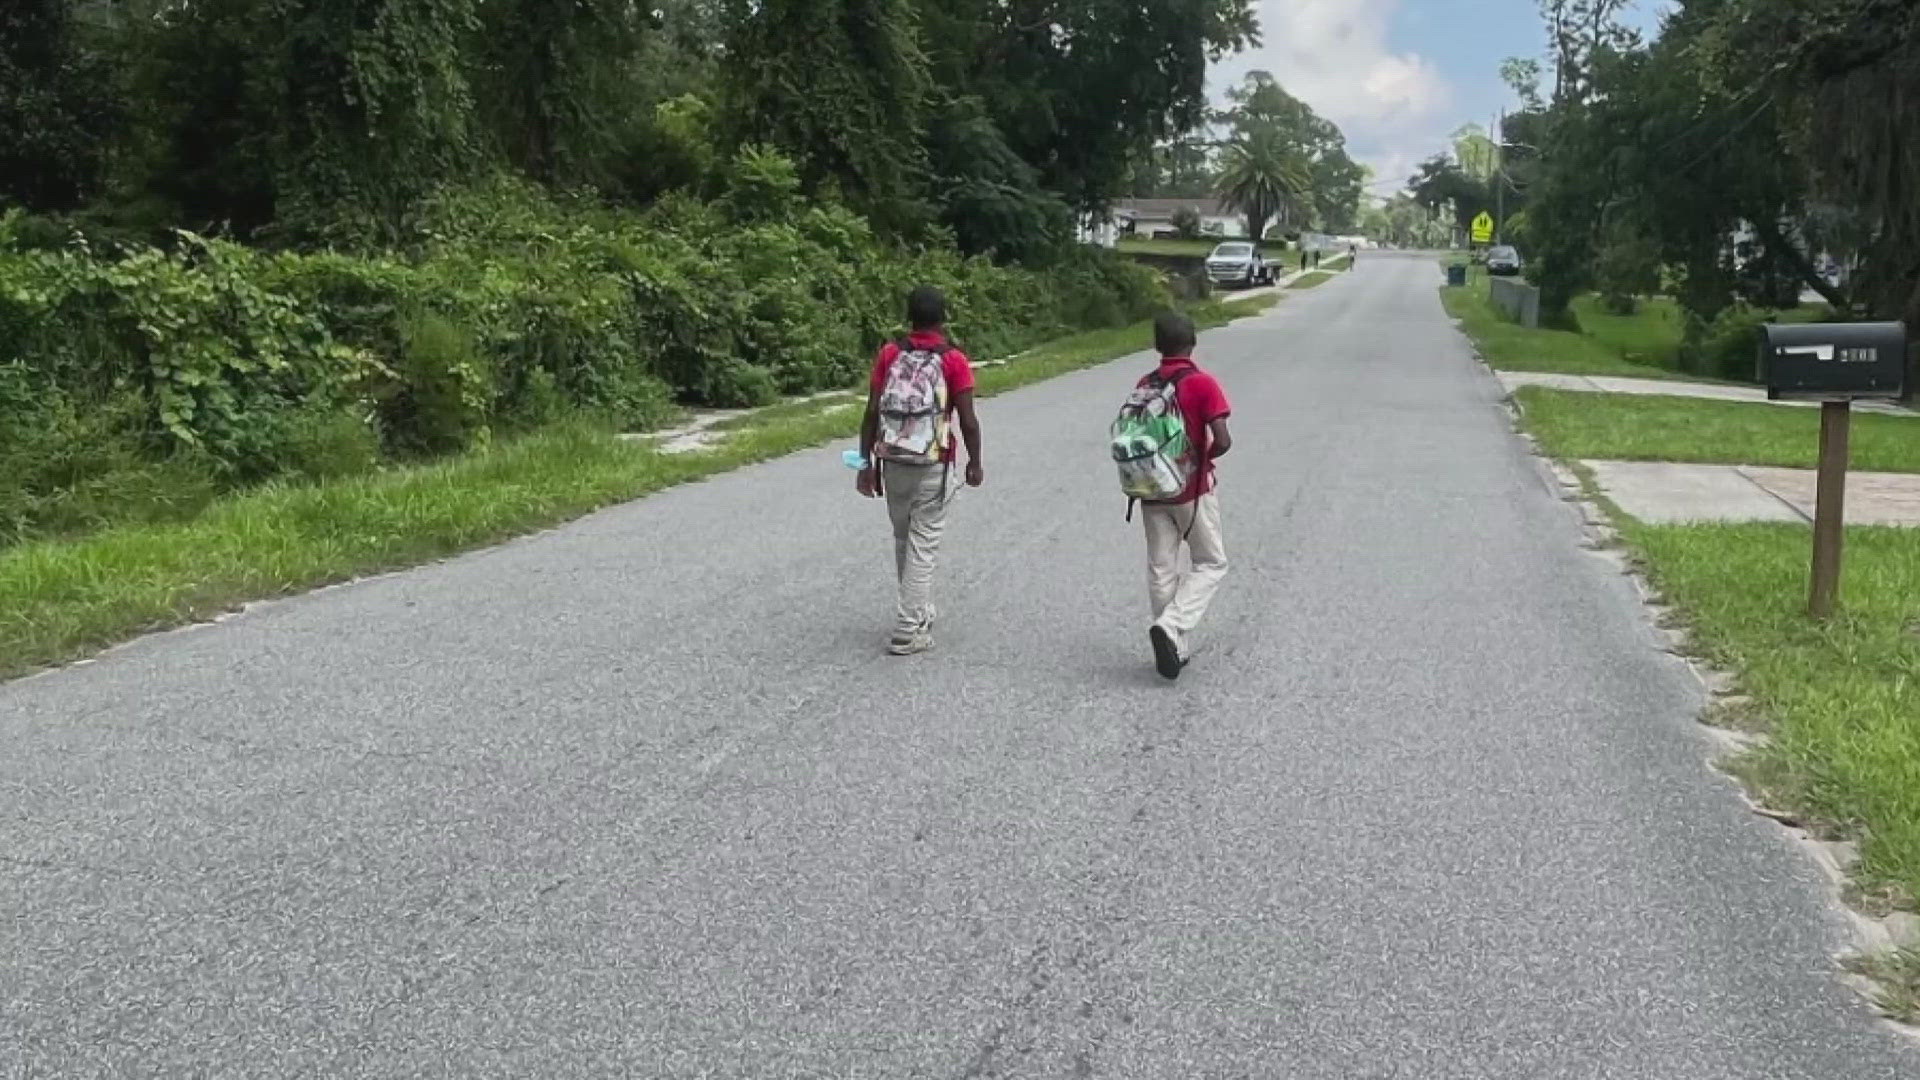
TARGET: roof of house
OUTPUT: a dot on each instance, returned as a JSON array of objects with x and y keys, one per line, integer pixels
[{"x": 1164, "y": 208}]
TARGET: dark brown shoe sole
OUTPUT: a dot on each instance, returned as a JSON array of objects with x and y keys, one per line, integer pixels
[{"x": 1166, "y": 655}]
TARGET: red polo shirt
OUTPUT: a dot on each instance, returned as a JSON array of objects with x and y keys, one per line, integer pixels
[{"x": 1202, "y": 401}]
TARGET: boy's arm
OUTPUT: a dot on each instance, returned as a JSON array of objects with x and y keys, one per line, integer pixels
[
  {"x": 870, "y": 426},
  {"x": 960, "y": 377},
  {"x": 1219, "y": 439},
  {"x": 868, "y": 481},
  {"x": 970, "y": 431}
]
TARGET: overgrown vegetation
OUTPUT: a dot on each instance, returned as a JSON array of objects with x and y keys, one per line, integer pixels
[{"x": 312, "y": 239}]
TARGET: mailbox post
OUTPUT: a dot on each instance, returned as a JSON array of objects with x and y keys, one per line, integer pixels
[{"x": 1835, "y": 364}]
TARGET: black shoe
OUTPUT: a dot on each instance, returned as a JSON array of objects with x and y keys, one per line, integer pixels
[{"x": 1166, "y": 655}]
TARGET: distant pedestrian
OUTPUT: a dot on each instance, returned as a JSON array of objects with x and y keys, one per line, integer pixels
[
  {"x": 1353, "y": 256},
  {"x": 920, "y": 385},
  {"x": 1303, "y": 258},
  {"x": 1166, "y": 440},
  {"x": 1316, "y": 258}
]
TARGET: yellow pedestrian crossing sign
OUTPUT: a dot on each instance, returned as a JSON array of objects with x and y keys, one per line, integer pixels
[{"x": 1483, "y": 228}]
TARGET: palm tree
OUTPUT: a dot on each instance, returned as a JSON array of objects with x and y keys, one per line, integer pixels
[{"x": 1265, "y": 179}]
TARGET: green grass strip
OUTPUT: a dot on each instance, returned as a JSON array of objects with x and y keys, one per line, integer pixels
[
  {"x": 60, "y": 600},
  {"x": 1841, "y": 700},
  {"x": 1313, "y": 280},
  {"x": 1634, "y": 427},
  {"x": 1511, "y": 347},
  {"x": 1147, "y": 246}
]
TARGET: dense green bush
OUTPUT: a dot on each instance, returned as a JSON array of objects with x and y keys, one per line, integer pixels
[
  {"x": 68, "y": 467},
  {"x": 505, "y": 309},
  {"x": 1727, "y": 347},
  {"x": 1626, "y": 269}
]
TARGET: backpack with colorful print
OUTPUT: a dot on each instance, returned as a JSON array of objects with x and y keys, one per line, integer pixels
[
  {"x": 1150, "y": 443},
  {"x": 913, "y": 408}
]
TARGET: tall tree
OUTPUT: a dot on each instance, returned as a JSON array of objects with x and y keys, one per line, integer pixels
[
  {"x": 557, "y": 85},
  {"x": 1266, "y": 179},
  {"x": 328, "y": 118},
  {"x": 1261, "y": 106},
  {"x": 1082, "y": 90},
  {"x": 841, "y": 85},
  {"x": 1842, "y": 72},
  {"x": 55, "y": 106},
  {"x": 1579, "y": 32},
  {"x": 1475, "y": 153},
  {"x": 1444, "y": 188}
]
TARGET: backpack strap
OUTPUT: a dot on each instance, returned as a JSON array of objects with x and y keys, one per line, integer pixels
[{"x": 1173, "y": 380}]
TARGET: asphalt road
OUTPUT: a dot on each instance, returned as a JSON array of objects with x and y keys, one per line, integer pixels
[{"x": 642, "y": 796}]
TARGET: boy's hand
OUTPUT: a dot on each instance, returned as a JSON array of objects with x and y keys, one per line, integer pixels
[
  {"x": 867, "y": 483},
  {"x": 975, "y": 475}
]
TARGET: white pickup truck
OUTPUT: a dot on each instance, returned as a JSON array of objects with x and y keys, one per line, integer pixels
[{"x": 1238, "y": 262}]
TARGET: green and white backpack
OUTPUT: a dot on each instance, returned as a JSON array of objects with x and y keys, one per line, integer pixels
[{"x": 1150, "y": 443}]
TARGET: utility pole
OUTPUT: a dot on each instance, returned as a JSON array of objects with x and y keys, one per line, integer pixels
[{"x": 1500, "y": 177}]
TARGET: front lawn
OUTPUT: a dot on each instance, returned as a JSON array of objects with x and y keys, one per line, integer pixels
[
  {"x": 1510, "y": 347},
  {"x": 1147, "y": 246},
  {"x": 1634, "y": 427}
]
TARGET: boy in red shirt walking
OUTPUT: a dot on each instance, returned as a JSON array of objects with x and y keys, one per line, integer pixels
[
  {"x": 920, "y": 384},
  {"x": 1180, "y": 600}
]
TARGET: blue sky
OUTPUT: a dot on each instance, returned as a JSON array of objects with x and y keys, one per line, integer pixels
[{"x": 1398, "y": 75}]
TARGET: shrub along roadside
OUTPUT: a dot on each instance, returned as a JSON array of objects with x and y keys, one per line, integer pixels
[
  {"x": 210, "y": 367},
  {"x": 60, "y": 600}
]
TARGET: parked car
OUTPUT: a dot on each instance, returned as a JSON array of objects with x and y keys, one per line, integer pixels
[
  {"x": 1503, "y": 261},
  {"x": 1239, "y": 262}
]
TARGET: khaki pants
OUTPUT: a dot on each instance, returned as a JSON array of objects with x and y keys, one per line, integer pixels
[
  {"x": 917, "y": 499},
  {"x": 1180, "y": 600}
]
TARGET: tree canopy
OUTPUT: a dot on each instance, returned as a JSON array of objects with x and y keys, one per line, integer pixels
[{"x": 329, "y": 121}]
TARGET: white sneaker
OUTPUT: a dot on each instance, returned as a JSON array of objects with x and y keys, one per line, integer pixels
[{"x": 909, "y": 646}]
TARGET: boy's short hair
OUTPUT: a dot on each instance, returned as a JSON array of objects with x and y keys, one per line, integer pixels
[
  {"x": 1173, "y": 334},
  {"x": 926, "y": 308}
]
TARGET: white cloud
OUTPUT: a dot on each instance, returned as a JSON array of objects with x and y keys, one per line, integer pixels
[{"x": 1335, "y": 56}]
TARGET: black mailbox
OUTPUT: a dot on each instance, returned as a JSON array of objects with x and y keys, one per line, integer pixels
[{"x": 1834, "y": 361}]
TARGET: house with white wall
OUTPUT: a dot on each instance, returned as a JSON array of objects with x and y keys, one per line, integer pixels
[{"x": 1147, "y": 218}]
